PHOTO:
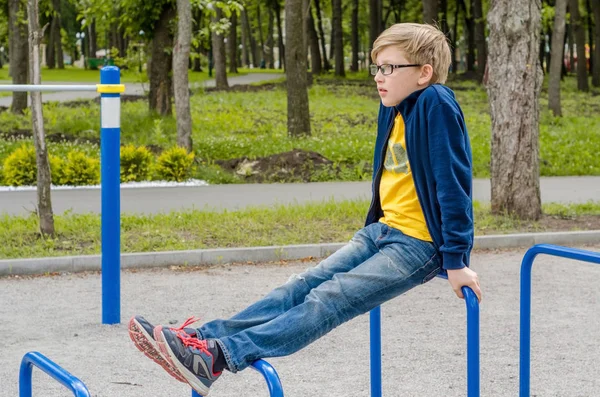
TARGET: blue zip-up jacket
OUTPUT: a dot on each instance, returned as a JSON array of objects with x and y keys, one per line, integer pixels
[{"x": 439, "y": 153}]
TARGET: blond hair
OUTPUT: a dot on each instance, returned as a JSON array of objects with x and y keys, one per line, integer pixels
[{"x": 420, "y": 43}]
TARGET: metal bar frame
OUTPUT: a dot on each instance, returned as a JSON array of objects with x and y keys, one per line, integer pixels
[
  {"x": 473, "y": 360},
  {"x": 51, "y": 368},
  {"x": 525, "y": 337}
]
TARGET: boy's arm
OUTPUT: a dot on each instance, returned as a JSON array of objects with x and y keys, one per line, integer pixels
[{"x": 451, "y": 165}]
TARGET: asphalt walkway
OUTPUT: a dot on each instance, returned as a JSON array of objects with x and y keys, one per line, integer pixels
[
  {"x": 136, "y": 89},
  {"x": 423, "y": 333},
  {"x": 150, "y": 200}
]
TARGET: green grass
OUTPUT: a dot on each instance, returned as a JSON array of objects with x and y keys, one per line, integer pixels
[
  {"x": 256, "y": 226},
  {"x": 228, "y": 125}
]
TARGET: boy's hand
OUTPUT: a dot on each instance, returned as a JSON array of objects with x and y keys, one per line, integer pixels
[{"x": 464, "y": 277}]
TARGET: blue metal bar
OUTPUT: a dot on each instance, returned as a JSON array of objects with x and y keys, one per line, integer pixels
[
  {"x": 375, "y": 336},
  {"x": 46, "y": 87},
  {"x": 526, "y": 266},
  {"x": 270, "y": 375},
  {"x": 55, "y": 371},
  {"x": 111, "y": 202},
  {"x": 473, "y": 366},
  {"x": 473, "y": 363}
]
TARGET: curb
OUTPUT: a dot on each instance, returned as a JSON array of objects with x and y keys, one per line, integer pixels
[{"x": 207, "y": 257}]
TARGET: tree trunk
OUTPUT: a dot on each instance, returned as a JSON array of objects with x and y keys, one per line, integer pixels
[
  {"x": 315, "y": 53},
  {"x": 470, "y": 32},
  {"x": 218, "y": 43},
  {"x": 444, "y": 22},
  {"x": 181, "y": 59},
  {"x": 596, "y": 65},
  {"x": 280, "y": 35},
  {"x": 37, "y": 120},
  {"x": 56, "y": 27},
  {"x": 93, "y": 38},
  {"x": 19, "y": 56},
  {"x": 263, "y": 56},
  {"x": 250, "y": 37},
  {"x": 161, "y": 89},
  {"x": 374, "y": 18},
  {"x": 571, "y": 42},
  {"x": 298, "y": 119},
  {"x": 270, "y": 44},
  {"x": 338, "y": 38},
  {"x": 579, "y": 33},
  {"x": 430, "y": 11},
  {"x": 245, "y": 42},
  {"x": 514, "y": 84},
  {"x": 558, "y": 38},
  {"x": 233, "y": 43},
  {"x": 590, "y": 35},
  {"x": 50, "y": 53},
  {"x": 479, "y": 33},
  {"x": 354, "y": 37},
  {"x": 326, "y": 64},
  {"x": 455, "y": 39}
]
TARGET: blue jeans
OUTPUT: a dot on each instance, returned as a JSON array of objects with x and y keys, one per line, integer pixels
[{"x": 378, "y": 264}]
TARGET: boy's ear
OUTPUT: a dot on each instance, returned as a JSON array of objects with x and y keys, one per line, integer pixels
[{"x": 426, "y": 74}]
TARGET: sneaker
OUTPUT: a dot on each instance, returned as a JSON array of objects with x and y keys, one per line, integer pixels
[
  {"x": 142, "y": 335},
  {"x": 192, "y": 357}
]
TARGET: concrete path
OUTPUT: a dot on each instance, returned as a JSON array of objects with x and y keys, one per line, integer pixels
[
  {"x": 423, "y": 333},
  {"x": 137, "y": 89},
  {"x": 154, "y": 200}
]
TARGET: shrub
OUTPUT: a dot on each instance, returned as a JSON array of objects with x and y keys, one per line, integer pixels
[
  {"x": 175, "y": 164},
  {"x": 57, "y": 170},
  {"x": 136, "y": 163},
  {"x": 80, "y": 169},
  {"x": 20, "y": 168}
]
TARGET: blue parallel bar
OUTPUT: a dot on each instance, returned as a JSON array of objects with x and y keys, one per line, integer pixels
[
  {"x": 375, "y": 336},
  {"x": 270, "y": 375},
  {"x": 473, "y": 363},
  {"x": 55, "y": 371},
  {"x": 111, "y": 201},
  {"x": 526, "y": 266}
]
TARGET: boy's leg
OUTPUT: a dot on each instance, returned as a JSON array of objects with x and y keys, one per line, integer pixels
[
  {"x": 401, "y": 264},
  {"x": 292, "y": 293}
]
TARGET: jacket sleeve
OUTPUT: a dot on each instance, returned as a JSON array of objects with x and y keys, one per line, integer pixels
[{"x": 451, "y": 163}]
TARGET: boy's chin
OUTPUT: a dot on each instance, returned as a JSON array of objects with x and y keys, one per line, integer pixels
[{"x": 388, "y": 103}]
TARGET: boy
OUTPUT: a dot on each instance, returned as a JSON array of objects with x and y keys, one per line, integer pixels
[{"x": 419, "y": 224}]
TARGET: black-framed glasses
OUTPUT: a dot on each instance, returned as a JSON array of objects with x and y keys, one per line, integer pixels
[{"x": 387, "y": 69}]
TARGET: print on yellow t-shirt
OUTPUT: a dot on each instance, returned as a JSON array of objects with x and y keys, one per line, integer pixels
[{"x": 399, "y": 201}]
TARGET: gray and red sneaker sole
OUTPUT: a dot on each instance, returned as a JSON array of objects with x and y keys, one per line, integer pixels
[
  {"x": 167, "y": 353},
  {"x": 147, "y": 344}
]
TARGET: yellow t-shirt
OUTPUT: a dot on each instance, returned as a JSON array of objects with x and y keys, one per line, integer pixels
[{"x": 399, "y": 201}]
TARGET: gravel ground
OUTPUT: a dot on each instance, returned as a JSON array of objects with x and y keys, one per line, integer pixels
[{"x": 423, "y": 332}]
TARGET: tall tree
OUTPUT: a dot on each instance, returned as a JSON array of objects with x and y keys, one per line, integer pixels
[
  {"x": 232, "y": 44},
  {"x": 19, "y": 56},
  {"x": 181, "y": 59},
  {"x": 513, "y": 62},
  {"x": 315, "y": 53},
  {"x": 326, "y": 65},
  {"x": 277, "y": 8},
  {"x": 298, "y": 117},
  {"x": 556, "y": 61},
  {"x": 270, "y": 44},
  {"x": 161, "y": 63},
  {"x": 479, "y": 33},
  {"x": 338, "y": 38},
  {"x": 430, "y": 11},
  {"x": 44, "y": 180},
  {"x": 596, "y": 65},
  {"x": 218, "y": 43},
  {"x": 579, "y": 33},
  {"x": 54, "y": 52},
  {"x": 354, "y": 37}
]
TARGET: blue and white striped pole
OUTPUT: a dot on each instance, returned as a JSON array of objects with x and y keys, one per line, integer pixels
[{"x": 110, "y": 113}]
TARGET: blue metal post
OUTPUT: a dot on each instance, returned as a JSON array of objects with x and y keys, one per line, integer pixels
[
  {"x": 375, "y": 335},
  {"x": 110, "y": 108},
  {"x": 473, "y": 368},
  {"x": 270, "y": 375},
  {"x": 55, "y": 371},
  {"x": 526, "y": 266}
]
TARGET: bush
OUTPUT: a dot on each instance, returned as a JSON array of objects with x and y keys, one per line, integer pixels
[
  {"x": 136, "y": 163},
  {"x": 20, "y": 168},
  {"x": 57, "y": 170},
  {"x": 175, "y": 164},
  {"x": 79, "y": 169}
]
